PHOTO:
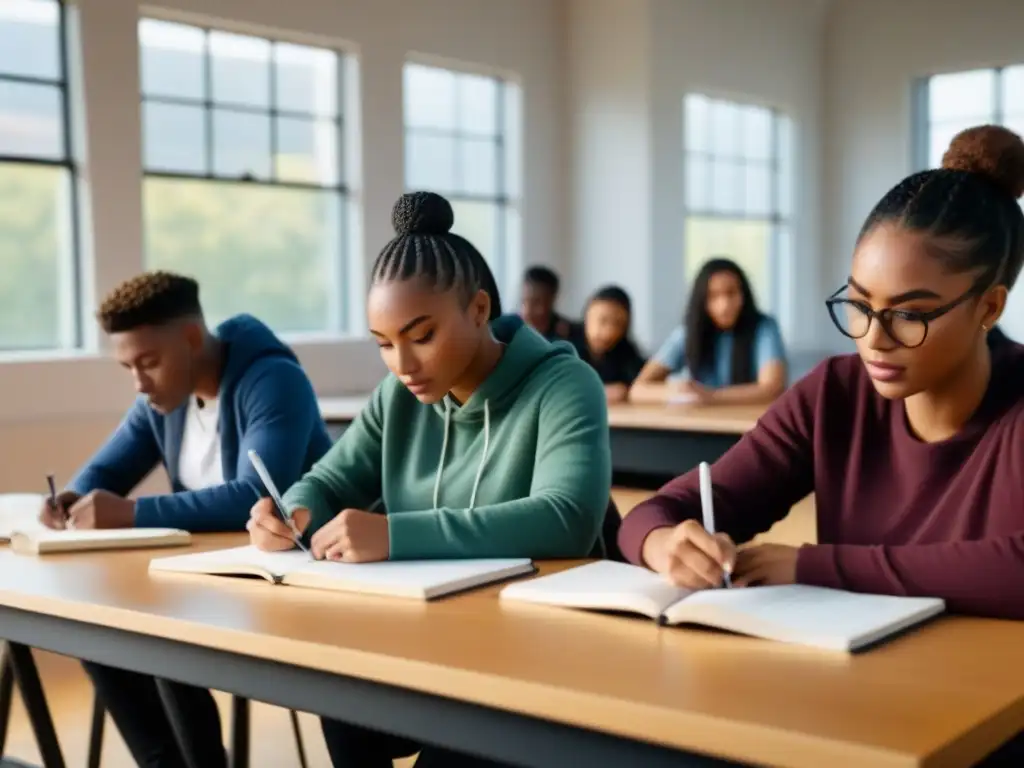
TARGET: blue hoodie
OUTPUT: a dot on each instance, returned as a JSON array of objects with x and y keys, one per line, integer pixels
[{"x": 266, "y": 404}]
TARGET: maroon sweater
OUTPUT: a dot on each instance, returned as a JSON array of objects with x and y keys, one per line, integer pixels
[{"x": 895, "y": 515}]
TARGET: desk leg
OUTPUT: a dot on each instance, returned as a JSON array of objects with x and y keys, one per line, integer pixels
[
  {"x": 181, "y": 733},
  {"x": 6, "y": 694},
  {"x": 99, "y": 715},
  {"x": 239, "y": 733},
  {"x": 297, "y": 730},
  {"x": 27, "y": 676}
]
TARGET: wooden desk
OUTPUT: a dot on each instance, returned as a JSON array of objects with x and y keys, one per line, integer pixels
[
  {"x": 653, "y": 443},
  {"x": 530, "y": 684},
  {"x": 650, "y": 444}
]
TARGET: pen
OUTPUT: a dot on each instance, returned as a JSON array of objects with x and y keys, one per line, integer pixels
[
  {"x": 53, "y": 498},
  {"x": 261, "y": 470},
  {"x": 707, "y": 506}
]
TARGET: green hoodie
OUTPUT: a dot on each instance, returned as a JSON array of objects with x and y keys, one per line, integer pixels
[{"x": 522, "y": 469}]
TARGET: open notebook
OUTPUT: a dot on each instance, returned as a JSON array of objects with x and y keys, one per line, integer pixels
[
  {"x": 423, "y": 579},
  {"x": 41, "y": 540},
  {"x": 814, "y": 616},
  {"x": 21, "y": 511}
]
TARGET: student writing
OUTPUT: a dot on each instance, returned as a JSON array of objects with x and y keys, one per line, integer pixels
[
  {"x": 604, "y": 341},
  {"x": 913, "y": 446},
  {"x": 485, "y": 441},
  {"x": 729, "y": 351},
  {"x": 205, "y": 399}
]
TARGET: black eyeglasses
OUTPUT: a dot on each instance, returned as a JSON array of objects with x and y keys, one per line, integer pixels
[{"x": 907, "y": 328}]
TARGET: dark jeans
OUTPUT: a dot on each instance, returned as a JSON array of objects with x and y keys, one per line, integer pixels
[
  {"x": 353, "y": 747},
  {"x": 133, "y": 701}
]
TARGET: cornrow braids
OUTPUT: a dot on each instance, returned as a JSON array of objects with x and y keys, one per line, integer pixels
[
  {"x": 969, "y": 203},
  {"x": 152, "y": 298},
  {"x": 425, "y": 248}
]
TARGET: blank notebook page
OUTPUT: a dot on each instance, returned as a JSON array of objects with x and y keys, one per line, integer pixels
[
  {"x": 602, "y": 581},
  {"x": 19, "y": 511},
  {"x": 811, "y": 610},
  {"x": 97, "y": 534}
]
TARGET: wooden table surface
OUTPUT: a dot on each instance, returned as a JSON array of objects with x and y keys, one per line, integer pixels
[
  {"x": 724, "y": 419},
  {"x": 941, "y": 696}
]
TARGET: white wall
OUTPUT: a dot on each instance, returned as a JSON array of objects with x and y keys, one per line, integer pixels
[
  {"x": 630, "y": 65},
  {"x": 874, "y": 51},
  {"x": 523, "y": 40}
]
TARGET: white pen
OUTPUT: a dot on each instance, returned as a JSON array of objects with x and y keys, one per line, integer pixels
[
  {"x": 707, "y": 506},
  {"x": 261, "y": 470}
]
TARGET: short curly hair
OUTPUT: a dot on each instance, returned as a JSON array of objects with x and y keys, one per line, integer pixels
[{"x": 152, "y": 298}]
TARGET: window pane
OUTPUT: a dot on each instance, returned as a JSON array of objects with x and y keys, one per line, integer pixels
[
  {"x": 30, "y": 38},
  {"x": 306, "y": 79},
  {"x": 429, "y": 162},
  {"x": 261, "y": 249},
  {"x": 478, "y": 223},
  {"x": 962, "y": 95},
  {"x": 784, "y": 177},
  {"x": 307, "y": 150},
  {"x": 31, "y": 122},
  {"x": 241, "y": 69},
  {"x": 1013, "y": 91},
  {"x": 697, "y": 114},
  {"x": 512, "y": 140},
  {"x": 757, "y": 187},
  {"x": 174, "y": 138},
  {"x": 747, "y": 242},
  {"x": 429, "y": 97},
  {"x": 35, "y": 245},
  {"x": 172, "y": 60},
  {"x": 478, "y": 104},
  {"x": 478, "y": 167},
  {"x": 698, "y": 183},
  {"x": 725, "y": 129},
  {"x": 727, "y": 187},
  {"x": 757, "y": 133},
  {"x": 241, "y": 144},
  {"x": 941, "y": 136}
]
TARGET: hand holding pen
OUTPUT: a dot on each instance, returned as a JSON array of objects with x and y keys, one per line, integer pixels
[
  {"x": 56, "y": 507},
  {"x": 690, "y": 555},
  {"x": 260, "y": 519}
]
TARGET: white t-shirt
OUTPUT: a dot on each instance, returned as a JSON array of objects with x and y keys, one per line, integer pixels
[{"x": 199, "y": 463}]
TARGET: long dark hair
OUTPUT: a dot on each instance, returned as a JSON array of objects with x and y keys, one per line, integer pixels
[
  {"x": 624, "y": 348},
  {"x": 701, "y": 331}
]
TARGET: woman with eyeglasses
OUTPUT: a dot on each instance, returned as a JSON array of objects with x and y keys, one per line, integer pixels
[{"x": 913, "y": 446}]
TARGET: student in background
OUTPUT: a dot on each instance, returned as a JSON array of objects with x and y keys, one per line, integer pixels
[
  {"x": 728, "y": 350},
  {"x": 912, "y": 447},
  {"x": 539, "y": 296},
  {"x": 605, "y": 342},
  {"x": 206, "y": 397},
  {"x": 485, "y": 440}
]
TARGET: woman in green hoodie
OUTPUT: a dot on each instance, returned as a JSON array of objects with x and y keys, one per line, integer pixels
[{"x": 485, "y": 441}]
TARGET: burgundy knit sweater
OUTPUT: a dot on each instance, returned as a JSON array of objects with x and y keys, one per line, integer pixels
[{"x": 895, "y": 515}]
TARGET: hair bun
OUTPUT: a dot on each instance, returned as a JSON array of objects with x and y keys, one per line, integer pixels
[
  {"x": 991, "y": 150},
  {"x": 422, "y": 213}
]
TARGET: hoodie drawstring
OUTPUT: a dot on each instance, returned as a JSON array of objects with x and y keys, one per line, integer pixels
[{"x": 444, "y": 451}]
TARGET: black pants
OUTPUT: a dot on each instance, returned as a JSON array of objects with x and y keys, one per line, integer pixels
[
  {"x": 353, "y": 747},
  {"x": 135, "y": 705}
]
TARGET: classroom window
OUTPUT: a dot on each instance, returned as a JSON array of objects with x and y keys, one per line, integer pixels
[
  {"x": 39, "y": 306},
  {"x": 461, "y": 140},
  {"x": 244, "y": 184},
  {"x": 738, "y": 170},
  {"x": 949, "y": 103}
]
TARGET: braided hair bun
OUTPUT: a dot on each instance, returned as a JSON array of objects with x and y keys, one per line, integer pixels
[
  {"x": 991, "y": 151},
  {"x": 422, "y": 213}
]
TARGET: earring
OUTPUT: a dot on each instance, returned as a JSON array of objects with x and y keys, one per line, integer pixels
[{"x": 984, "y": 328}]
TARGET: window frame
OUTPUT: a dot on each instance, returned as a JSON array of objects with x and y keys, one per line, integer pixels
[
  {"x": 776, "y": 218},
  {"x": 70, "y": 333},
  {"x": 339, "y": 302},
  {"x": 504, "y": 201}
]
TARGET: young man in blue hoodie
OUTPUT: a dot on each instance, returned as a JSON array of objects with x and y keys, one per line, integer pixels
[{"x": 206, "y": 398}]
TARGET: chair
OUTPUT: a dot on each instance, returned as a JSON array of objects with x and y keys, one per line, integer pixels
[{"x": 238, "y": 756}]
